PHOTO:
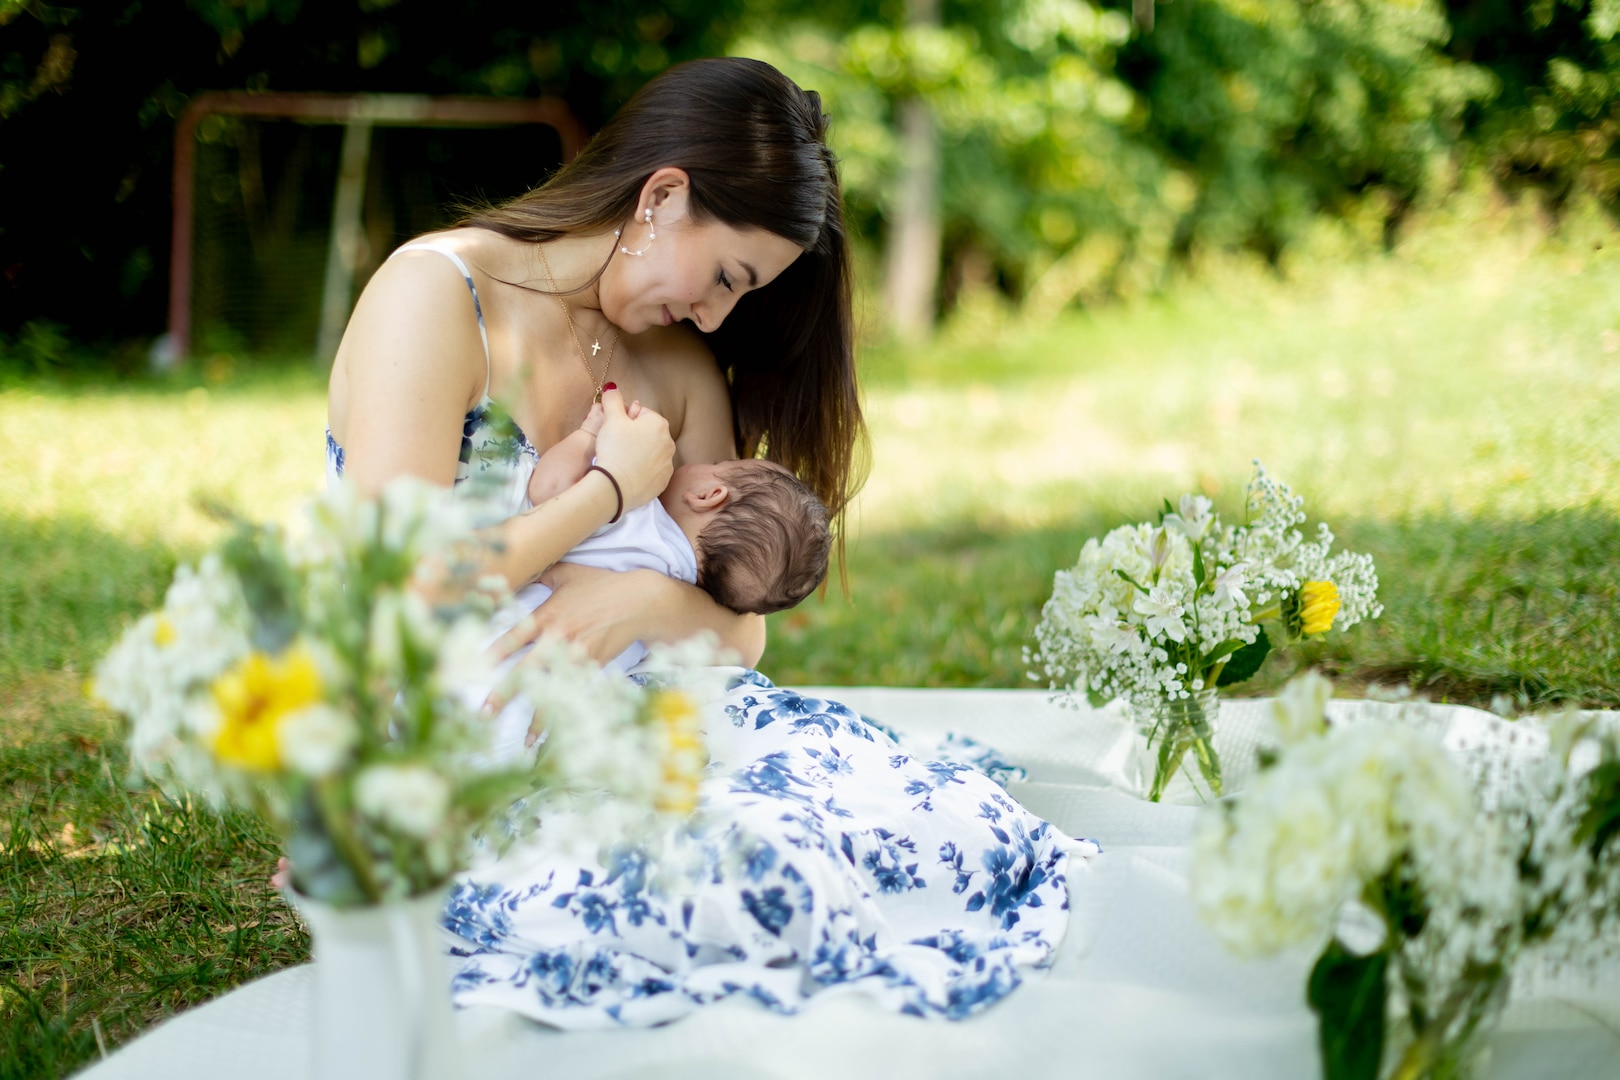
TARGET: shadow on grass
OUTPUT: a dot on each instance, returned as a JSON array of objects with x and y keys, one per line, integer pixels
[
  {"x": 1475, "y": 608},
  {"x": 117, "y": 907}
]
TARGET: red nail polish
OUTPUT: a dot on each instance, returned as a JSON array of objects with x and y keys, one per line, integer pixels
[{"x": 609, "y": 386}]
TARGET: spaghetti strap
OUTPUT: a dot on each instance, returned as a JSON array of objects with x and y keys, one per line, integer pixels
[{"x": 478, "y": 308}]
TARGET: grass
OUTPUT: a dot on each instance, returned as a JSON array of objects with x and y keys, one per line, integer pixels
[{"x": 1449, "y": 411}]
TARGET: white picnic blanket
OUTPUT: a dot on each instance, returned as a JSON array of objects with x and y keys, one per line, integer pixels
[{"x": 1140, "y": 988}]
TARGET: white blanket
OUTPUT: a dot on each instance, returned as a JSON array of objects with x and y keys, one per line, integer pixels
[{"x": 1140, "y": 989}]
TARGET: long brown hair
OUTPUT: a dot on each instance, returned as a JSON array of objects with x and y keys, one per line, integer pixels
[{"x": 754, "y": 147}]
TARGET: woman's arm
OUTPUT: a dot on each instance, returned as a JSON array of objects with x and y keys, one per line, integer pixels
[
  {"x": 605, "y": 610},
  {"x": 410, "y": 363}
]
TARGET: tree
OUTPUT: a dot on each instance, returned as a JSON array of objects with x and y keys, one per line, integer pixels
[{"x": 91, "y": 250}]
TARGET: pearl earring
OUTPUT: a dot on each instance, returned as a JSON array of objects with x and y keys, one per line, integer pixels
[{"x": 652, "y": 234}]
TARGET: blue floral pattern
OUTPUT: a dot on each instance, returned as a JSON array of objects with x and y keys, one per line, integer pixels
[{"x": 833, "y": 856}]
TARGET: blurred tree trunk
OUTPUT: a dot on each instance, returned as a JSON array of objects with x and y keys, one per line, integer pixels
[{"x": 912, "y": 279}]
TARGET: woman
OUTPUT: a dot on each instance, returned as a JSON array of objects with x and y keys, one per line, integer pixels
[
  {"x": 836, "y": 858},
  {"x": 589, "y": 281}
]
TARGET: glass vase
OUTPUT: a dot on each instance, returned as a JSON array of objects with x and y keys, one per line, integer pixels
[
  {"x": 382, "y": 992},
  {"x": 1455, "y": 1044},
  {"x": 1179, "y": 728}
]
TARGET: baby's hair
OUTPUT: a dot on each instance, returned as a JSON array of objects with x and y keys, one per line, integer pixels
[{"x": 767, "y": 548}]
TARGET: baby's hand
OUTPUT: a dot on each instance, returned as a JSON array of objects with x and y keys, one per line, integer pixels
[{"x": 593, "y": 420}]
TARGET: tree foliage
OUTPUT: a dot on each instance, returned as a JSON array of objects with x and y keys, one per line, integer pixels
[
  {"x": 89, "y": 94},
  {"x": 1082, "y": 155}
]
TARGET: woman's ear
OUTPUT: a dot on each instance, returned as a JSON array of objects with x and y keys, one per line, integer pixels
[{"x": 665, "y": 194}]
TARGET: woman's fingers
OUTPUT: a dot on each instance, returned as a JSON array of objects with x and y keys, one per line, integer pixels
[{"x": 636, "y": 449}]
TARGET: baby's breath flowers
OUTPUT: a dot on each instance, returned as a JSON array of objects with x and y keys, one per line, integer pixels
[
  {"x": 1163, "y": 613},
  {"x": 1426, "y": 873},
  {"x": 324, "y": 683}
]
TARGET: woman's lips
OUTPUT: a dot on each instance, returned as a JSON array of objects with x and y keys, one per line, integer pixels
[{"x": 668, "y": 318}]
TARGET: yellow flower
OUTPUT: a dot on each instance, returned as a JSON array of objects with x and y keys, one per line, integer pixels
[
  {"x": 254, "y": 697},
  {"x": 684, "y": 754},
  {"x": 163, "y": 634},
  {"x": 1318, "y": 604}
]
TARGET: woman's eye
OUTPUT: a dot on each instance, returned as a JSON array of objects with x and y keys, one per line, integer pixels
[{"x": 725, "y": 281}]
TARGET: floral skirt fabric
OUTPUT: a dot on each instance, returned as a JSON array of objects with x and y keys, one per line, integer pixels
[{"x": 835, "y": 857}]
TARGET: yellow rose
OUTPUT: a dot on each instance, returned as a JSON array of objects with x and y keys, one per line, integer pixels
[
  {"x": 1318, "y": 604},
  {"x": 253, "y": 697}
]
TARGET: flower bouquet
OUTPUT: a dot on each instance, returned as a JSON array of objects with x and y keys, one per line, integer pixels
[
  {"x": 1164, "y": 613},
  {"x": 332, "y": 683},
  {"x": 1427, "y": 880}
]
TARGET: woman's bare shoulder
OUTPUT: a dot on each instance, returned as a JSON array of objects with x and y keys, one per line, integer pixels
[{"x": 414, "y": 328}]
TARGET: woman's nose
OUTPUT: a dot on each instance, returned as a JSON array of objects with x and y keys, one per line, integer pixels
[{"x": 707, "y": 315}]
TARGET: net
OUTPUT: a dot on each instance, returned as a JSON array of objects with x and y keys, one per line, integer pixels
[{"x": 262, "y": 214}]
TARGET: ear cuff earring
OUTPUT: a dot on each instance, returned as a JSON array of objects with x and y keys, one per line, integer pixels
[{"x": 652, "y": 234}]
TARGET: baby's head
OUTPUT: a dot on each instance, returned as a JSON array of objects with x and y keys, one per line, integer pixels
[{"x": 761, "y": 537}]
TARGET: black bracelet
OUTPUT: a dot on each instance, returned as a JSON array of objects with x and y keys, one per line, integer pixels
[{"x": 617, "y": 493}]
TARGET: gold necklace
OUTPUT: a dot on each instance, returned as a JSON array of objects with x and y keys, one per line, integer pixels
[{"x": 596, "y": 343}]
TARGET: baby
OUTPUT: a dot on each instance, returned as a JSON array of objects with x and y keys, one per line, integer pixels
[{"x": 748, "y": 533}]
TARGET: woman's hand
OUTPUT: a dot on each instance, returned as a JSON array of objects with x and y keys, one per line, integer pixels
[
  {"x": 602, "y": 611},
  {"x": 635, "y": 447},
  {"x": 605, "y": 610}
]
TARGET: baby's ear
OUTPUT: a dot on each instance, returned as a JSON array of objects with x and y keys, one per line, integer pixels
[{"x": 708, "y": 498}]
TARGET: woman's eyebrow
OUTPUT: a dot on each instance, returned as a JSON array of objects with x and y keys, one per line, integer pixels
[{"x": 753, "y": 275}]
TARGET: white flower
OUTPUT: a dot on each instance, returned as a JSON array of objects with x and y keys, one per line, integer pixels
[
  {"x": 316, "y": 740},
  {"x": 1229, "y": 585},
  {"x": 463, "y": 659},
  {"x": 1301, "y": 708},
  {"x": 1195, "y": 519},
  {"x": 1163, "y": 610},
  {"x": 411, "y": 798},
  {"x": 1107, "y": 632}
]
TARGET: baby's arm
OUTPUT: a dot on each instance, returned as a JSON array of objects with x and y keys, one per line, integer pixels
[{"x": 562, "y": 466}]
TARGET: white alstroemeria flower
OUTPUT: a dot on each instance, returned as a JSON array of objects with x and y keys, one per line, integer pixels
[
  {"x": 316, "y": 740},
  {"x": 1195, "y": 518},
  {"x": 1229, "y": 585},
  {"x": 1107, "y": 631},
  {"x": 410, "y": 798},
  {"x": 1163, "y": 613}
]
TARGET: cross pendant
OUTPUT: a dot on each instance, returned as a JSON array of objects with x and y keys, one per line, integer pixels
[{"x": 596, "y": 346}]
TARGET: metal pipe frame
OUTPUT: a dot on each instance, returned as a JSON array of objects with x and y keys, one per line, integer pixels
[{"x": 392, "y": 110}]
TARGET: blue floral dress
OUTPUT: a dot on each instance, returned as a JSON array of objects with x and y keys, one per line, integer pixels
[{"x": 835, "y": 859}]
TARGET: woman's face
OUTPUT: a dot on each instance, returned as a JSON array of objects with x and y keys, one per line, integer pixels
[{"x": 691, "y": 270}]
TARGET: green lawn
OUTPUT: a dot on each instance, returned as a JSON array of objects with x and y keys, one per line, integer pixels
[{"x": 1451, "y": 411}]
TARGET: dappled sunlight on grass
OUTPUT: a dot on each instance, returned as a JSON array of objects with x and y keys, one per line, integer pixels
[
  {"x": 1389, "y": 394},
  {"x": 135, "y": 463}
]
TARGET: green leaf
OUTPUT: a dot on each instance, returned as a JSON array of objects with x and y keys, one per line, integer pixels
[
  {"x": 1347, "y": 994},
  {"x": 1132, "y": 580},
  {"x": 1219, "y": 653},
  {"x": 1246, "y": 661},
  {"x": 1198, "y": 564}
]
